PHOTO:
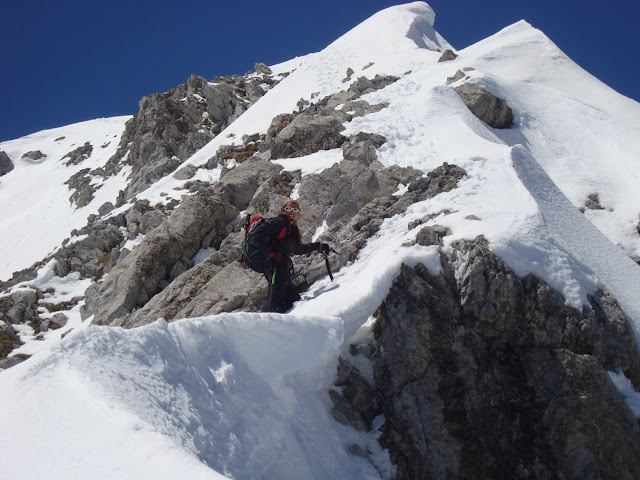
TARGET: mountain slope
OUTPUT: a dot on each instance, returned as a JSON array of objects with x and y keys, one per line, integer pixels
[{"x": 493, "y": 244}]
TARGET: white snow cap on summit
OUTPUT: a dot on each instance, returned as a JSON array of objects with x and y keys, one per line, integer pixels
[{"x": 405, "y": 27}]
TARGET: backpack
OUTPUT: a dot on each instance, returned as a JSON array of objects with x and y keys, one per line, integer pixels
[
  {"x": 252, "y": 256},
  {"x": 255, "y": 234}
]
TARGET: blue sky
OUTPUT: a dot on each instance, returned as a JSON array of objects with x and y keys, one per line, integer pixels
[{"x": 65, "y": 62}]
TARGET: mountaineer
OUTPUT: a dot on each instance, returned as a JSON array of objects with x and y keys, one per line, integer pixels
[{"x": 268, "y": 244}]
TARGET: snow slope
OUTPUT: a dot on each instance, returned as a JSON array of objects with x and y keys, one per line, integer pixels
[
  {"x": 246, "y": 394},
  {"x": 35, "y": 212}
]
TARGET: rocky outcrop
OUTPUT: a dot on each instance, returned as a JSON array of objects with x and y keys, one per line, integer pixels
[
  {"x": 6, "y": 165},
  {"x": 34, "y": 156},
  {"x": 78, "y": 155},
  {"x": 15, "y": 309},
  {"x": 482, "y": 374},
  {"x": 171, "y": 126},
  {"x": 91, "y": 255},
  {"x": 487, "y": 107},
  {"x": 318, "y": 127},
  {"x": 593, "y": 202},
  {"x": 447, "y": 56},
  {"x": 201, "y": 221},
  {"x": 353, "y": 187}
]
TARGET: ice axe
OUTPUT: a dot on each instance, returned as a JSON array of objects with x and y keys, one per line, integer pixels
[{"x": 326, "y": 262}]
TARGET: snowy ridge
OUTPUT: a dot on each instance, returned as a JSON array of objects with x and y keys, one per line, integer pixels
[
  {"x": 244, "y": 395},
  {"x": 238, "y": 392}
]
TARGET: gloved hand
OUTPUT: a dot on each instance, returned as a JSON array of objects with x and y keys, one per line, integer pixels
[{"x": 325, "y": 249}]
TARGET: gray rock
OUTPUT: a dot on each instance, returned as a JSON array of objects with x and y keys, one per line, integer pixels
[
  {"x": 593, "y": 202},
  {"x": 59, "y": 320},
  {"x": 78, "y": 155},
  {"x": 350, "y": 72},
  {"x": 457, "y": 76},
  {"x": 262, "y": 68},
  {"x": 82, "y": 187},
  {"x": 361, "y": 85},
  {"x": 171, "y": 126},
  {"x": 151, "y": 220},
  {"x": 360, "y": 108},
  {"x": 432, "y": 235},
  {"x": 20, "y": 307},
  {"x": 34, "y": 156},
  {"x": 200, "y": 221},
  {"x": 308, "y": 133},
  {"x": 6, "y": 165},
  {"x": 105, "y": 208},
  {"x": 91, "y": 255},
  {"x": 6, "y": 363},
  {"x": 487, "y": 375},
  {"x": 447, "y": 56},
  {"x": 487, "y": 107}
]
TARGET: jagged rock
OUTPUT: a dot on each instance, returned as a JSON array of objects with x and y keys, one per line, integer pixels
[
  {"x": 19, "y": 277},
  {"x": 201, "y": 221},
  {"x": 262, "y": 68},
  {"x": 593, "y": 202},
  {"x": 91, "y": 255},
  {"x": 221, "y": 284},
  {"x": 432, "y": 235},
  {"x": 308, "y": 133},
  {"x": 82, "y": 187},
  {"x": 35, "y": 156},
  {"x": 382, "y": 81},
  {"x": 105, "y": 208},
  {"x": 482, "y": 374},
  {"x": 358, "y": 403},
  {"x": 457, "y": 76},
  {"x": 78, "y": 155},
  {"x": 354, "y": 201},
  {"x": 302, "y": 104},
  {"x": 360, "y": 150},
  {"x": 350, "y": 72},
  {"x": 447, "y": 56},
  {"x": 20, "y": 307},
  {"x": 6, "y": 165},
  {"x": 487, "y": 107},
  {"x": 151, "y": 220},
  {"x": 360, "y": 108},
  {"x": 239, "y": 153},
  {"x": 361, "y": 85},
  {"x": 171, "y": 126}
]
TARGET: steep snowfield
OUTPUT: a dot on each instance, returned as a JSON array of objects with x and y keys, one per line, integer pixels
[
  {"x": 246, "y": 394},
  {"x": 35, "y": 212}
]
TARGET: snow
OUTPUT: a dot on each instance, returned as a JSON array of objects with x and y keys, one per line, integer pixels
[
  {"x": 33, "y": 197},
  {"x": 240, "y": 393},
  {"x": 245, "y": 395}
]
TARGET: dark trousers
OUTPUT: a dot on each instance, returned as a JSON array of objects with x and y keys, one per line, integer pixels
[{"x": 284, "y": 291}]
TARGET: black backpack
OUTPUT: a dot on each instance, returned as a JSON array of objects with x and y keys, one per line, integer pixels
[{"x": 252, "y": 256}]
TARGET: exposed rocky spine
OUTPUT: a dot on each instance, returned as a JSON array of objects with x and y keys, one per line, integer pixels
[{"x": 482, "y": 374}]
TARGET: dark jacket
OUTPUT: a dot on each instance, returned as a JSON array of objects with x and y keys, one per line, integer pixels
[
  {"x": 279, "y": 239},
  {"x": 282, "y": 239}
]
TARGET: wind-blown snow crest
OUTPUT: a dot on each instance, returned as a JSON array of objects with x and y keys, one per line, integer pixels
[
  {"x": 246, "y": 394},
  {"x": 237, "y": 392}
]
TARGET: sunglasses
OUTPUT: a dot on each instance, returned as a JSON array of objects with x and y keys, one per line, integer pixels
[{"x": 291, "y": 209}]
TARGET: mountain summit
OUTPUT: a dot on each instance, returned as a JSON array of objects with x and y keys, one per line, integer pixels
[{"x": 483, "y": 320}]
